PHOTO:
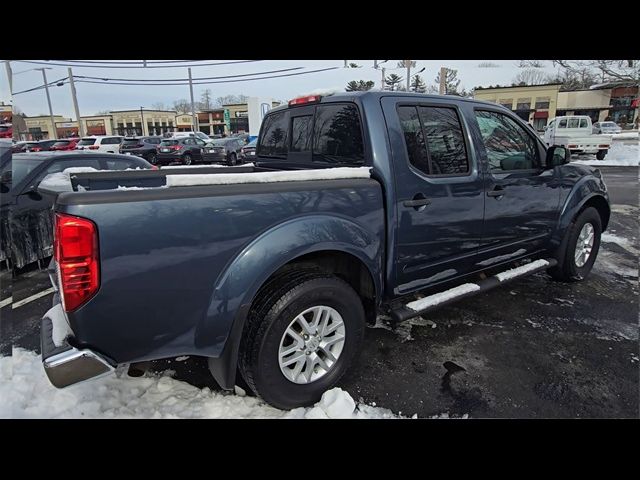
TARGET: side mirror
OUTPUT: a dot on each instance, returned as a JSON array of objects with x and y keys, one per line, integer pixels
[{"x": 558, "y": 155}]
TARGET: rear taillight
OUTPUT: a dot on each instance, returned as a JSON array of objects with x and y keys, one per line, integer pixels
[
  {"x": 36, "y": 149},
  {"x": 94, "y": 147},
  {"x": 572, "y": 146},
  {"x": 603, "y": 146},
  {"x": 75, "y": 250},
  {"x": 307, "y": 99},
  {"x": 154, "y": 167}
]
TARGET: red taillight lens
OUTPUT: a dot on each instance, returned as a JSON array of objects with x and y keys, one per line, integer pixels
[
  {"x": 93, "y": 147},
  {"x": 76, "y": 252},
  {"x": 36, "y": 149},
  {"x": 154, "y": 167},
  {"x": 308, "y": 99},
  {"x": 603, "y": 146},
  {"x": 572, "y": 146}
]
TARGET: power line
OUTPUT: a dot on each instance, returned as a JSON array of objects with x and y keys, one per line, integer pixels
[
  {"x": 63, "y": 80},
  {"x": 130, "y": 62},
  {"x": 186, "y": 79},
  {"x": 134, "y": 66},
  {"x": 210, "y": 82}
]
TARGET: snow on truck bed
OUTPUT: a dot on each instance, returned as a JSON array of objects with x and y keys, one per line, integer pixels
[{"x": 268, "y": 177}]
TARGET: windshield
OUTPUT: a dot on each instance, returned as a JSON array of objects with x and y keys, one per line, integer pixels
[
  {"x": 21, "y": 168},
  {"x": 252, "y": 143},
  {"x": 86, "y": 141},
  {"x": 220, "y": 142}
]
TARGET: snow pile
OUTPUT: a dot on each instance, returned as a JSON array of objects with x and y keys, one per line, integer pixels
[
  {"x": 626, "y": 136},
  {"x": 61, "y": 181},
  {"x": 620, "y": 155},
  {"x": 516, "y": 272},
  {"x": 26, "y": 393},
  {"x": 268, "y": 177},
  {"x": 214, "y": 165},
  {"x": 440, "y": 297}
]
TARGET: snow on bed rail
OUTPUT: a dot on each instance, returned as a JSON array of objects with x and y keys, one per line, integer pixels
[
  {"x": 61, "y": 181},
  {"x": 516, "y": 272},
  {"x": 212, "y": 165},
  {"x": 440, "y": 297},
  {"x": 268, "y": 177}
]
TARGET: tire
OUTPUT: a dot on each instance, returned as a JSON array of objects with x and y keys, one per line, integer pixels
[
  {"x": 151, "y": 158},
  {"x": 275, "y": 309},
  {"x": 233, "y": 159},
  {"x": 186, "y": 159},
  {"x": 568, "y": 270},
  {"x": 601, "y": 154}
]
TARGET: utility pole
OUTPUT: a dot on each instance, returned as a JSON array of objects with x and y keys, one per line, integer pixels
[
  {"x": 408, "y": 63},
  {"x": 382, "y": 85},
  {"x": 54, "y": 133},
  {"x": 75, "y": 103},
  {"x": 7, "y": 64},
  {"x": 193, "y": 110},
  {"x": 142, "y": 120},
  {"x": 443, "y": 77}
]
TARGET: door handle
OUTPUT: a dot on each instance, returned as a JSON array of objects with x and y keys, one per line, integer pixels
[
  {"x": 496, "y": 192},
  {"x": 418, "y": 201}
]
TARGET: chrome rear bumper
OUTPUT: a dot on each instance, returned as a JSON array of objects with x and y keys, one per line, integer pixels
[{"x": 63, "y": 363}]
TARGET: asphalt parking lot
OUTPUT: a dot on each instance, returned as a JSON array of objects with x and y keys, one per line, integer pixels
[{"x": 534, "y": 349}]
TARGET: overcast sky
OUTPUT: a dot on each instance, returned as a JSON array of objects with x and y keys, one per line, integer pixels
[{"x": 96, "y": 97}]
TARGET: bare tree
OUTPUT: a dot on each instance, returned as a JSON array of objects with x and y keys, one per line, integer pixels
[
  {"x": 530, "y": 76},
  {"x": 606, "y": 70},
  {"x": 488, "y": 65},
  {"x": 205, "y": 100},
  {"x": 531, "y": 64},
  {"x": 407, "y": 63},
  {"x": 159, "y": 106},
  {"x": 182, "y": 105}
]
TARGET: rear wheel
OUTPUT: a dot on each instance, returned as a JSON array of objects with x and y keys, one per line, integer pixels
[
  {"x": 301, "y": 336},
  {"x": 233, "y": 159},
  {"x": 580, "y": 247},
  {"x": 601, "y": 154},
  {"x": 186, "y": 159},
  {"x": 151, "y": 158}
]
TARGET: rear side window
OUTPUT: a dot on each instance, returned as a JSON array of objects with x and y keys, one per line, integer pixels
[
  {"x": 583, "y": 123},
  {"x": 273, "y": 142},
  {"x": 413, "y": 137},
  {"x": 574, "y": 123},
  {"x": 86, "y": 141},
  {"x": 169, "y": 142},
  {"x": 445, "y": 143},
  {"x": 337, "y": 136}
]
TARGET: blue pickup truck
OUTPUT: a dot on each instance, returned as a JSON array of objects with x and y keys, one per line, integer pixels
[{"x": 357, "y": 204}]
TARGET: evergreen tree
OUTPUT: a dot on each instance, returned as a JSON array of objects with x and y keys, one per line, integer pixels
[
  {"x": 393, "y": 82},
  {"x": 359, "y": 85},
  {"x": 451, "y": 82},
  {"x": 418, "y": 85}
]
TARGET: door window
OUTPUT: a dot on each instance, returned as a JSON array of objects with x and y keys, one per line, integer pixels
[
  {"x": 574, "y": 123},
  {"x": 583, "y": 123},
  {"x": 562, "y": 123},
  {"x": 414, "y": 138},
  {"x": 508, "y": 146}
]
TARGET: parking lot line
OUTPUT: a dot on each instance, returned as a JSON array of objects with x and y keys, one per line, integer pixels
[
  {"x": 5, "y": 302},
  {"x": 38, "y": 295}
]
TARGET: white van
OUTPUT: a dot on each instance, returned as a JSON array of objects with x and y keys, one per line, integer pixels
[{"x": 100, "y": 143}]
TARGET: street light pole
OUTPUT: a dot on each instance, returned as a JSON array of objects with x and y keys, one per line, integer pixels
[
  {"x": 75, "y": 103},
  {"x": 46, "y": 88},
  {"x": 408, "y": 74}
]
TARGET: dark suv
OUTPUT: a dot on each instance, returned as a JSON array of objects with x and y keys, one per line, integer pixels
[
  {"x": 225, "y": 150},
  {"x": 184, "y": 150},
  {"x": 145, "y": 147}
]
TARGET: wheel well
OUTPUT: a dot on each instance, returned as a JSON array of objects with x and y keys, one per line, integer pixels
[
  {"x": 601, "y": 205},
  {"x": 345, "y": 266}
]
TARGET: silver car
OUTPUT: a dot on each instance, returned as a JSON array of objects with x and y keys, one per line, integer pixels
[{"x": 606, "y": 128}]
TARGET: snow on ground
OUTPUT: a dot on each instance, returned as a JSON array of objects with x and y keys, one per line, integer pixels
[
  {"x": 26, "y": 393},
  {"x": 633, "y": 135},
  {"x": 620, "y": 155}
]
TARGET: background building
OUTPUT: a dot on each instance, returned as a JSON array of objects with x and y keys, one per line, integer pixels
[
  {"x": 130, "y": 122},
  {"x": 40, "y": 127},
  {"x": 6, "y": 113},
  {"x": 535, "y": 104},
  {"x": 594, "y": 103}
]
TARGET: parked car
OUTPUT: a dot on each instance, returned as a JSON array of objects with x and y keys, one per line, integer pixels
[
  {"x": 145, "y": 147},
  {"x": 200, "y": 135},
  {"x": 575, "y": 133},
  {"x": 248, "y": 152},
  {"x": 42, "y": 146},
  {"x": 275, "y": 272},
  {"x": 65, "y": 144},
  {"x": 31, "y": 232},
  {"x": 23, "y": 146},
  {"x": 607, "y": 128},
  {"x": 6, "y": 131},
  {"x": 185, "y": 150},
  {"x": 243, "y": 137},
  {"x": 224, "y": 150},
  {"x": 101, "y": 143}
]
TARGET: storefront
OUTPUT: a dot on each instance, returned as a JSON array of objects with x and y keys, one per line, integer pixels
[{"x": 67, "y": 129}]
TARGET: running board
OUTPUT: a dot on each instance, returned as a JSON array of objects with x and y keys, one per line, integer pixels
[{"x": 446, "y": 297}]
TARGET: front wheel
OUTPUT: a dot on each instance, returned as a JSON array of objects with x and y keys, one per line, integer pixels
[
  {"x": 580, "y": 247},
  {"x": 151, "y": 158},
  {"x": 601, "y": 154},
  {"x": 302, "y": 334},
  {"x": 186, "y": 159},
  {"x": 232, "y": 159}
]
